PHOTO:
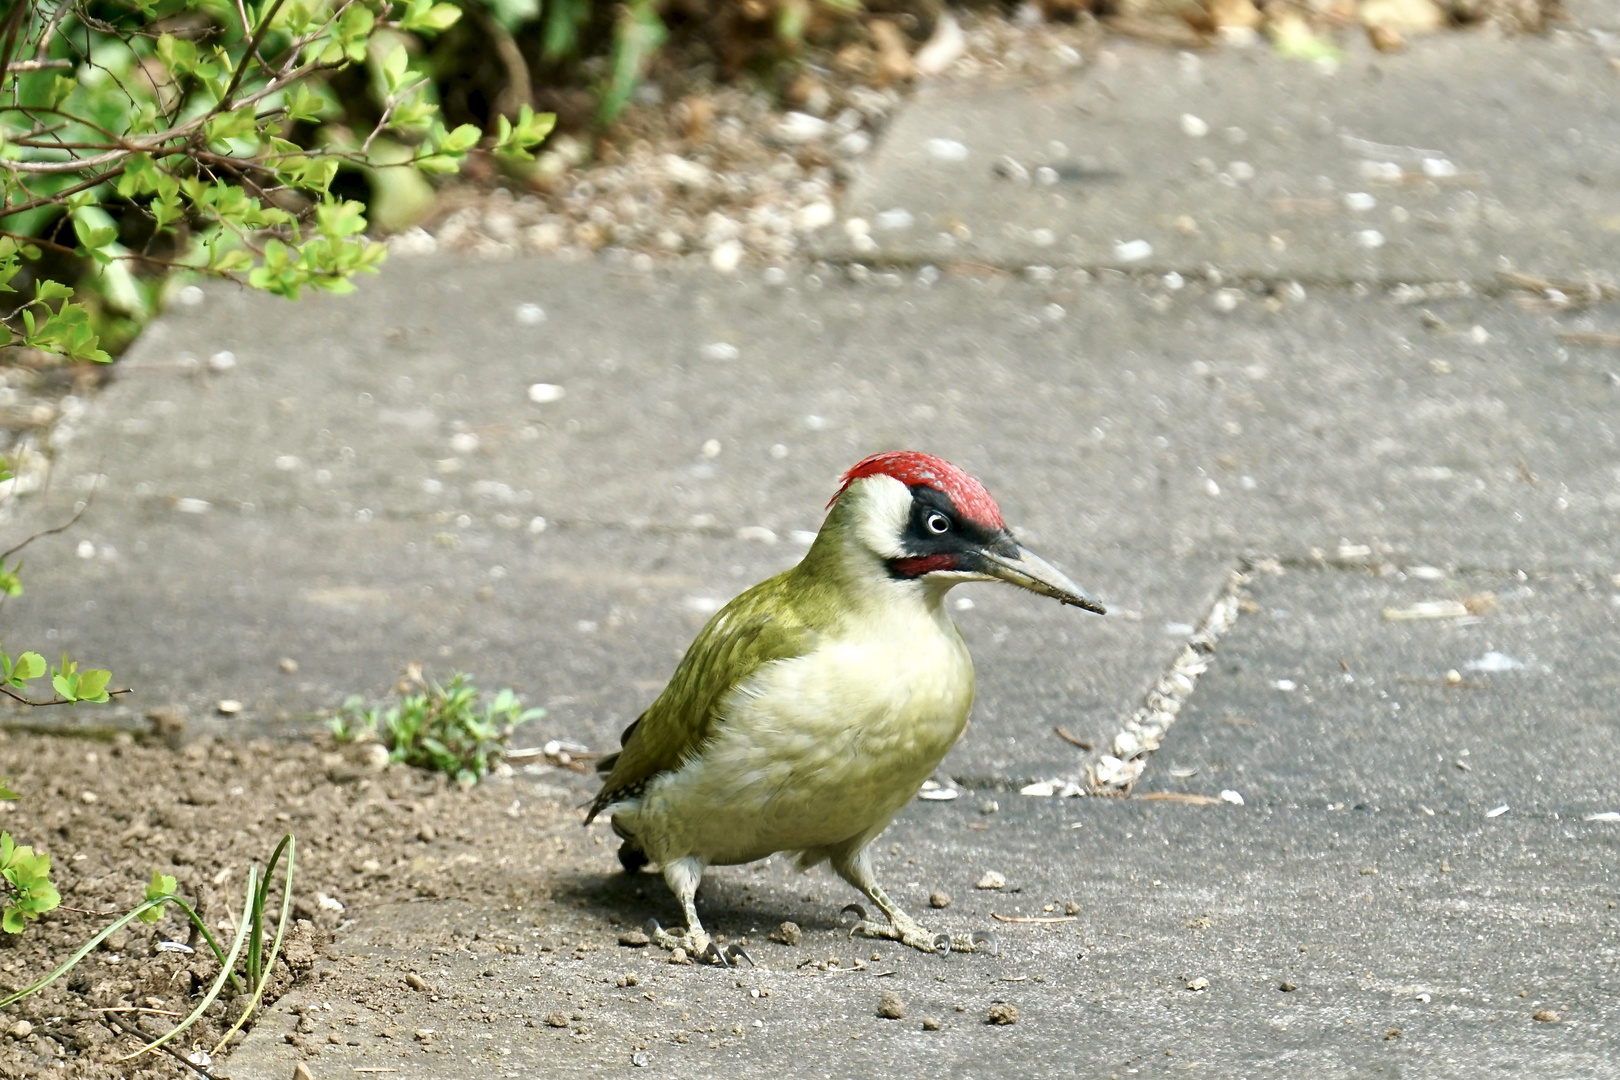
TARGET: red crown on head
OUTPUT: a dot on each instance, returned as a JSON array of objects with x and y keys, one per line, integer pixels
[{"x": 913, "y": 469}]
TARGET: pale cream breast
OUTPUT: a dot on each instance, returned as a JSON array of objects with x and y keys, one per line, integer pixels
[{"x": 819, "y": 749}]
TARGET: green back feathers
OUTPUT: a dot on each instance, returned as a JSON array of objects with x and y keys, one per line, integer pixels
[{"x": 781, "y": 618}]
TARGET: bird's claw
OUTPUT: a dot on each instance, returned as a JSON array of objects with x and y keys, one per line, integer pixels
[
  {"x": 860, "y": 925},
  {"x": 715, "y": 954}
]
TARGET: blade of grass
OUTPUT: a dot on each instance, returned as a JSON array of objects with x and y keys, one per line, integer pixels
[
  {"x": 281, "y": 931},
  {"x": 84, "y": 951},
  {"x": 219, "y": 982}
]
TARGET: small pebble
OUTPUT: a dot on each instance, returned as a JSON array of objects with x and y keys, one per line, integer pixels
[
  {"x": 1546, "y": 1016},
  {"x": 891, "y": 1006},
  {"x": 229, "y": 707},
  {"x": 634, "y": 939},
  {"x": 930, "y": 1024},
  {"x": 1071, "y": 908},
  {"x": 1288, "y": 987},
  {"x": 422, "y": 1035},
  {"x": 939, "y": 899},
  {"x": 301, "y": 1071},
  {"x": 560, "y": 1020},
  {"x": 788, "y": 933},
  {"x": 116, "y": 941},
  {"x": 628, "y": 980},
  {"x": 1004, "y": 1014},
  {"x": 677, "y": 955},
  {"x": 20, "y": 1030},
  {"x": 289, "y": 666},
  {"x": 991, "y": 880},
  {"x": 1392, "y": 1033},
  {"x": 415, "y": 981}
]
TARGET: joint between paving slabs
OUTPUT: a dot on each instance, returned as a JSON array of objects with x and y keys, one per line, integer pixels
[{"x": 1116, "y": 772}]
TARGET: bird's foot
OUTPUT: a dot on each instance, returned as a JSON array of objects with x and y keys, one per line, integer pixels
[
  {"x": 906, "y": 930},
  {"x": 693, "y": 942},
  {"x": 698, "y": 945}
]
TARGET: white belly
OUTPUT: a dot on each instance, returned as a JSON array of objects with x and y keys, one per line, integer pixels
[{"x": 816, "y": 751}]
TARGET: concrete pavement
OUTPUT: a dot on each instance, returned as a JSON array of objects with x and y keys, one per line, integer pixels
[{"x": 374, "y": 481}]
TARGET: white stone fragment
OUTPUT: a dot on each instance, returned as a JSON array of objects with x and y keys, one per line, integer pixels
[
  {"x": 1174, "y": 281},
  {"x": 464, "y": 442},
  {"x": 721, "y": 350},
  {"x": 1370, "y": 238},
  {"x": 1359, "y": 201},
  {"x": 1497, "y": 812},
  {"x": 1438, "y": 168},
  {"x": 1193, "y": 127},
  {"x": 544, "y": 393},
  {"x": 944, "y": 48},
  {"x": 537, "y": 524},
  {"x": 223, "y": 360},
  {"x": 192, "y": 506},
  {"x": 726, "y": 256},
  {"x": 1494, "y": 662},
  {"x": 1132, "y": 250},
  {"x": 949, "y": 150},
  {"x": 1285, "y": 685},
  {"x": 800, "y": 127},
  {"x": 530, "y": 314},
  {"x": 1603, "y": 815},
  {"x": 813, "y": 216},
  {"x": 897, "y": 218},
  {"x": 1233, "y": 797},
  {"x": 756, "y": 533}
]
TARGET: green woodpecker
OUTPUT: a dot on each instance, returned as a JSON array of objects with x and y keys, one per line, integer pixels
[{"x": 813, "y": 707}]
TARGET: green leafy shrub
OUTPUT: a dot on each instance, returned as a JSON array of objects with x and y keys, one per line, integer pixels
[
  {"x": 143, "y": 137},
  {"x": 441, "y": 728}
]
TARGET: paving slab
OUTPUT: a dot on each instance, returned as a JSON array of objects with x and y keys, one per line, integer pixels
[
  {"x": 1317, "y": 698},
  {"x": 364, "y": 486},
  {"x": 1413, "y": 945},
  {"x": 1462, "y": 156}
]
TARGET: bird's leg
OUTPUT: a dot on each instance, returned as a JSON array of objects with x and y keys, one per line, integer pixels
[
  {"x": 683, "y": 876},
  {"x": 856, "y": 868}
]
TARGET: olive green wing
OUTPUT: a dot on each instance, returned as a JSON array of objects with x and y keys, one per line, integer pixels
[{"x": 754, "y": 629}]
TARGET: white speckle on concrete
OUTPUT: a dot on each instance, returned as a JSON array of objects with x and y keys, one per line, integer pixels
[
  {"x": 1132, "y": 250},
  {"x": 544, "y": 393},
  {"x": 1193, "y": 127},
  {"x": 530, "y": 314},
  {"x": 949, "y": 150}
]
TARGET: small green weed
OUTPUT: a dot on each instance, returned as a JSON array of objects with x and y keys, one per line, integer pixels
[
  {"x": 440, "y": 727},
  {"x": 26, "y": 892}
]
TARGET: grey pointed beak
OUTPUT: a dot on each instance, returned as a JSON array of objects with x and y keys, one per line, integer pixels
[{"x": 1028, "y": 570}]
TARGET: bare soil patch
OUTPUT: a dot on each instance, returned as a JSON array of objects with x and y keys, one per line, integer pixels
[{"x": 109, "y": 813}]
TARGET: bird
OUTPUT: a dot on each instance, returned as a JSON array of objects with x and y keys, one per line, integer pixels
[{"x": 811, "y": 708}]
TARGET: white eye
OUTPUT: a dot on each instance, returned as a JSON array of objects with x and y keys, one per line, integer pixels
[{"x": 938, "y": 523}]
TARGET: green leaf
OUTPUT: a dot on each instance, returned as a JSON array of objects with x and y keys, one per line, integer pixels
[
  {"x": 5, "y": 789},
  {"x": 160, "y": 885},
  {"x": 460, "y": 140},
  {"x": 93, "y": 685},
  {"x": 30, "y": 665},
  {"x": 394, "y": 67},
  {"x": 46, "y": 291}
]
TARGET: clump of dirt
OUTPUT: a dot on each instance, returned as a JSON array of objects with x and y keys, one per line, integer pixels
[{"x": 109, "y": 814}]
